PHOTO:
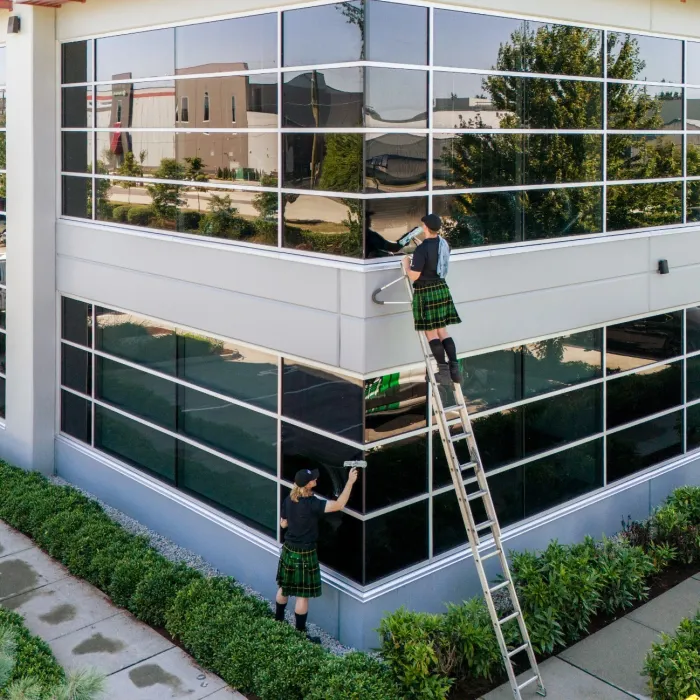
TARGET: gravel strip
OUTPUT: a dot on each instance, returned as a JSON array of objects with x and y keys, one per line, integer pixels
[{"x": 177, "y": 554}]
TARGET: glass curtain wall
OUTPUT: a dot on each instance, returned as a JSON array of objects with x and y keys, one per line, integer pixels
[
  {"x": 3, "y": 225},
  {"x": 555, "y": 419},
  {"x": 333, "y": 129}
]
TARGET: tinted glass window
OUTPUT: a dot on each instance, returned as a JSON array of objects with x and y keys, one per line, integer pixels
[
  {"x": 3, "y": 302},
  {"x": 492, "y": 379},
  {"x": 3, "y": 402},
  {"x": 76, "y": 194},
  {"x": 396, "y": 98},
  {"x": 76, "y": 368},
  {"x": 77, "y": 152},
  {"x": 693, "y": 417},
  {"x": 644, "y": 341},
  {"x": 642, "y": 157},
  {"x": 396, "y": 33},
  {"x": 645, "y": 445},
  {"x": 76, "y": 321},
  {"x": 693, "y": 378},
  {"x": 692, "y": 328},
  {"x": 3, "y": 352},
  {"x": 644, "y": 107},
  {"x": 244, "y": 43},
  {"x": 396, "y": 162},
  {"x": 137, "y": 106},
  {"x": 638, "y": 57},
  {"x": 141, "y": 55},
  {"x": 693, "y": 201},
  {"x": 642, "y": 206},
  {"x": 76, "y": 415},
  {"x": 75, "y": 62},
  {"x": 692, "y": 145},
  {"x": 386, "y": 220},
  {"x": 341, "y": 543},
  {"x": 76, "y": 107}
]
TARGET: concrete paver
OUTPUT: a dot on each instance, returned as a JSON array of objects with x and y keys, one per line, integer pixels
[
  {"x": 563, "y": 682},
  {"x": 26, "y": 571},
  {"x": 615, "y": 655},
  {"x": 225, "y": 694},
  {"x": 12, "y": 541},
  {"x": 171, "y": 674},
  {"x": 665, "y": 613},
  {"x": 61, "y": 608}
]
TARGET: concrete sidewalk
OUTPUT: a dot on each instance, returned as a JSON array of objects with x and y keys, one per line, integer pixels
[
  {"x": 84, "y": 629},
  {"x": 608, "y": 664}
]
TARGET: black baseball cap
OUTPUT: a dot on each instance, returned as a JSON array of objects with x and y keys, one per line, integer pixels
[
  {"x": 304, "y": 476},
  {"x": 432, "y": 221}
]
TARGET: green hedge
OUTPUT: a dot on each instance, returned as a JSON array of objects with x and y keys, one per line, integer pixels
[{"x": 225, "y": 630}]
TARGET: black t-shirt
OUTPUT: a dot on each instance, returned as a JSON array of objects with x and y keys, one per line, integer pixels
[
  {"x": 302, "y": 520},
  {"x": 425, "y": 261}
]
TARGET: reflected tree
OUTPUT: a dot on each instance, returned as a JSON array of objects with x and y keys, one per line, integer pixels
[
  {"x": 130, "y": 167},
  {"x": 194, "y": 172},
  {"x": 167, "y": 198}
]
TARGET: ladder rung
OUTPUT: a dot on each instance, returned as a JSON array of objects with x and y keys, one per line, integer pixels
[
  {"x": 517, "y": 651},
  {"x": 490, "y": 555},
  {"x": 499, "y": 587},
  {"x": 468, "y": 465},
  {"x": 477, "y": 494},
  {"x": 529, "y": 681},
  {"x": 485, "y": 525},
  {"x": 508, "y": 618},
  {"x": 457, "y": 438}
]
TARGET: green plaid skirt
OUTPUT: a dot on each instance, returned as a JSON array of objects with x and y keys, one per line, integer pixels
[
  {"x": 433, "y": 307},
  {"x": 298, "y": 572}
]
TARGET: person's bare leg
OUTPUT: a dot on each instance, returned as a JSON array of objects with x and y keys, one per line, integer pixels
[{"x": 281, "y": 601}]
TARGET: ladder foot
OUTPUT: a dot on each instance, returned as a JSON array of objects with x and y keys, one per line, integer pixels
[{"x": 542, "y": 691}]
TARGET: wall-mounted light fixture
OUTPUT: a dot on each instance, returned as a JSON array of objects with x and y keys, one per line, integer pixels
[
  {"x": 13, "y": 25},
  {"x": 663, "y": 267}
]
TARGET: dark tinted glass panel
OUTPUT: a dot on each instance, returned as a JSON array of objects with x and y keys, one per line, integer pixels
[
  {"x": 693, "y": 417},
  {"x": 395, "y": 403},
  {"x": 642, "y": 157},
  {"x": 331, "y": 162},
  {"x": 396, "y": 541},
  {"x": 140, "y": 393},
  {"x": 498, "y": 160},
  {"x": 506, "y": 217},
  {"x": 325, "y": 34},
  {"x": 323, "y": 224},
  {"x": 492, "y": 379},
  {"x": 524, "y": 431},
  {"x": 3, "y": 300},
  {"x": 3, "y": 353},
  {"x": 137, "y": 444},
  {"x": 644, "y": 341},
  {"x": 76, "y": 107},
  {"x": 140, "y": 55},
  {"x": 234, "y": 370},
  {"x": 76, "y": 367},
  {"x": 693, "y": 378},
  {"x": 637, "y": 57},
  {"x": 515, "y": 45},
  {"x": 328, "y": 401},
  {"x": 645, "y": 445},
  {"x": 341, "y": 543},
  {"x": 563, "y": 476},
  {"x": 396, "y": 33},
  {"x": 692, "y": 329},
  {"x": 323, "y": 98},
  {"x": 137, "y": 339},
  {"x": 635, "y": 396},
  {"x": 396, "y": 162},
  {"x": 137, "y": 105},
  {"x": 3, "y": 403},
  {"x": 245, "y": 43},
  {"x": 76, "y": 415},
  {"x": 75, "y": 63},
  {"x": 247, "y": 217},
  {"x": 77, "y": 152},
  {"x": 693, "y": 202},
  {"x": 644, "y": 107},
  {"x": 643, "y": 206},
  {"x": 241, "y": 493},
  {"x": 387, "y": 220},
  {"x": 76, "y": 197},
  {"x": 396, "y": 98},
  {"x": 76, "y": 321},
  {"x": 234, "y": 430},
  {"x": 466, "y": 101},
  {"x": 692, "y": 145}
]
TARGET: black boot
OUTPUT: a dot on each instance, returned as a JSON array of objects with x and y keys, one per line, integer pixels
[
  {"x": 443, "y": 374},
  {"x": 455, "y": 373}
]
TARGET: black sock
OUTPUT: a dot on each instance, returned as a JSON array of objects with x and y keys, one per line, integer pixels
[
  {"x": 450, "y": 349},
  {"x": 438, "y": 351},
  {"x": 301, "y": 622},
  {"x": 279, "y": 612}
]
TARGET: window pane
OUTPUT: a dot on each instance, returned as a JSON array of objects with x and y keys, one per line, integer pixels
[
  {"x": 246, "y": 496},
  {"x": 693, "y": 378},
  {"x": 137, "y": 105},
  {"x": 692, "y": 145},
  {"x": 563, "y": 477},
  {"x": 245, "y": 43},
  {"x": 645, "y": 445},
  {"x": 137, "y": 339},
  {"x": 3, "y": 66},
  {"x": 325, "y": 34},
  {"x": 396, "y": 162},
  {"x": 396, "y": 98},
  {"x": 77, "y": 152},
  {"x": 396, "y": 33},
  {"x": 76, "y": 107},
  {"x": 328, "y": 401},
  {"x": 693, "y": 201},
  {"x": 644, "y": 341},
  {"x": 140, "y": 55},
  {"x": 693, "y": 427},
  {"x": 76, "y": 321},
  {"x": 3, "y": 403},
  {"x": 387, "y": 220},
  {"x": 507, "y": 217},
  {"x": 341, "y": 543},
  {"x": 396, "y": 540},
  {"x": 643, "y": 206},
  {"x": 140, "y": 393},
  {"x": 643, "y": 157},
  {"x": 75, "y": 62},
  {"x": 515, "y": 45},
  {"x": 692, "y": 330},
  {"x": 243, "y": 434},
  {"x": 136, "y": 444},
  {"x": 644, "y": 107},
  {"x": 395, "y": 404},
  {"x": 234, "y": 370},
  {"x": 492, "y": 379},
  {"x": 76, "y": 367},
  {"x": 466, "y": 101},
  {"x": 323, "y": 224},
  {"x": 135, "y": 153},
  {"x": 76, "y": 415},
  {"x": 642, "y": 394},
  {"x": 76, "y": 196},
  {"x": 3, "y": 298},
  {"x": 637, "y": 57},
  {"x": 323, "y": 98},
  {"x": 499, "y": 160}
]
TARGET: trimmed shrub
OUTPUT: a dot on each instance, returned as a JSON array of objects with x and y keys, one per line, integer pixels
[
  {"x": 128, "y": 572},
  {"x": 120, "y": 212},
  {"x": 140, "y": 215},
  {"x": 189, "y": 220}
]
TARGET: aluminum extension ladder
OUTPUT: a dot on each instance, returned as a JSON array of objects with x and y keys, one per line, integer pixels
[{"x": 473, "y": 471}]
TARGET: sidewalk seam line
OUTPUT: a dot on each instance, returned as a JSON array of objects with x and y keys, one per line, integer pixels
[
  {"x": 140, "y": 661},
  {"x": 602, "y": 680},
  {"x": 80, "y": 629},
  {"x": 12, "y": 554},
  {"x": 31, "y": 590}
]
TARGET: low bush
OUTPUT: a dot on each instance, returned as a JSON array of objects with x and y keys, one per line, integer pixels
[
  {"x": 140, "y": 215},
  {"x": 120, "y": 213},
  {"x": 673, "y": 664},
  {"x": 189, "y": 220}
]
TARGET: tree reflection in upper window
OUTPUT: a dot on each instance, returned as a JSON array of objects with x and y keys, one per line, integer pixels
[{"x": 639, "y": 57}]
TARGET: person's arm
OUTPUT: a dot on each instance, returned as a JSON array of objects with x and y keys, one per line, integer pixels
[
  {"x": 283, "y": 515},
  {"x": 414, "y": 268},
  {"x": 334, "y": 506}
]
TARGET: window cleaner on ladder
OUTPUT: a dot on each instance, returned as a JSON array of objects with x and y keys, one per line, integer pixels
[{"x": 433, "y": 308}]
